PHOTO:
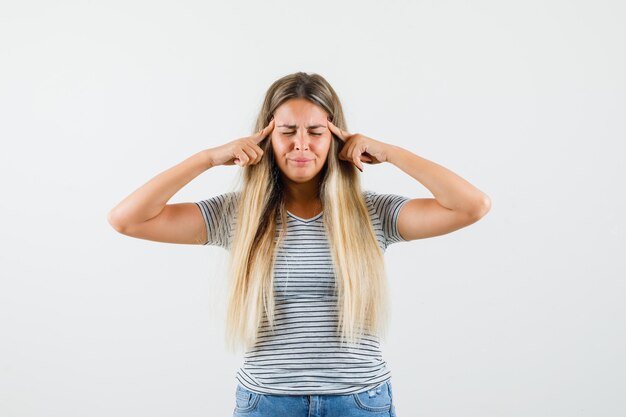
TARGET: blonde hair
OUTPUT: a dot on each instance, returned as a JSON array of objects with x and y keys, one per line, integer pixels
[{"x": 360, "y": 284}]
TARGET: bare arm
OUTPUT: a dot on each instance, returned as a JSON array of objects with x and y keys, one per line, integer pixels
[
  {"x": 457, "y": 203},
  {"x": 145, "y": 213},
  {"x": 148, "y": 200}
]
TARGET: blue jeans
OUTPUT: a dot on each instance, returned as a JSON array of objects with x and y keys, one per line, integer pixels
[{"x": 376, "y": 402}]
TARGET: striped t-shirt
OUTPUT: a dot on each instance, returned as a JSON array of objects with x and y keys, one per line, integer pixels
[{"x": 304, "y": 356}]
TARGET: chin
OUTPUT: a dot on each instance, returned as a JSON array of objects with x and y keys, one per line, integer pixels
[{"x": 300, "y": 178}]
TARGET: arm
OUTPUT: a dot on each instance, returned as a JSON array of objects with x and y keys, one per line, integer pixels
[
  {"x": 148, "y": 201},
  {"x": 450, "y": 190},
  {"x": 457, "y": 203},
  {"x": 145, "y": 213}
]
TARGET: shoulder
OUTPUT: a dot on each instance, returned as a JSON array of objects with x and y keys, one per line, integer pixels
[
  {"x": 221, "y": 205},
  {"x": 223, "y": 199},
  {"x": 383, "y": 203},
  {"x": 384, "y": 211}
]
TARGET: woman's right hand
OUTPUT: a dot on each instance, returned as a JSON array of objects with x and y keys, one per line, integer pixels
[{"x": 243, "y": 151}]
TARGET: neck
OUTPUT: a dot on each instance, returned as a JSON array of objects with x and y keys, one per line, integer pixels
[{"x": 303, "y": 193}]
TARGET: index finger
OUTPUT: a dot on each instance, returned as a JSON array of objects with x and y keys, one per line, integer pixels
[
  {"x": 338, "y": 132},
  {"x": 266, "y": 131}
]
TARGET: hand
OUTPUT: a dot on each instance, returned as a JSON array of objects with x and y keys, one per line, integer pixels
[
  {"x": 243, "y": 151},
  {"x": 359, "y": 148}
]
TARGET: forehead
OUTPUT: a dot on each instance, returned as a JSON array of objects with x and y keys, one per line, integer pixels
[
  {"x": 300, "y": 112},
  {"x": 295, "y": 126}
]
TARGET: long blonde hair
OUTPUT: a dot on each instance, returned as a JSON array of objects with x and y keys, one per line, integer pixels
[{"x": 360, "y": 284}]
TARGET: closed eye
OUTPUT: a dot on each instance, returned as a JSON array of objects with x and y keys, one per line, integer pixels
[{"x": 291, "y": 133}]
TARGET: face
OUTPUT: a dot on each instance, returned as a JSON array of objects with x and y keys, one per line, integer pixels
[{"x": 300, "y": 133}]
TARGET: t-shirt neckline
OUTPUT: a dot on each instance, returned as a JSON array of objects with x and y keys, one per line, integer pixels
[{"x": 305, "y": 220}]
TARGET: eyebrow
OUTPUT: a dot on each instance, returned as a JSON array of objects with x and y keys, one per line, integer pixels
[{"x": 309, "y": 127}]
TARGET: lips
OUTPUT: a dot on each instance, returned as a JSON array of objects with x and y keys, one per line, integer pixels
[{"x": 300, "y": 162}]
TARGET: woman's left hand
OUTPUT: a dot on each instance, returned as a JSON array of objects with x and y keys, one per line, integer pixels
[{"x": 359, "y": 148}]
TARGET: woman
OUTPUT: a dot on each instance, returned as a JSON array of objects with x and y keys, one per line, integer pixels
[{"x": 308, "y": 301}]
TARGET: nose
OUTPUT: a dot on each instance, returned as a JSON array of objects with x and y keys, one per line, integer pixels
[{"x": 301, "y": 140}]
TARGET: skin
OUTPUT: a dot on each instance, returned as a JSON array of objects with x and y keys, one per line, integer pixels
[
  {"x": 457, "y": 203},
  {"x": 302, "y": 129},
  {"x": 301, "y": 141}
]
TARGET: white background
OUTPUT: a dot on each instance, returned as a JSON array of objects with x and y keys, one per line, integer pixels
[{"x": 520, "y": 314}]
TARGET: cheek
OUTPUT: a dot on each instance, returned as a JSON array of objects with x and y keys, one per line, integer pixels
[
  {"x": 279, "y": 149},
  {"x": 324, "y": 146}
]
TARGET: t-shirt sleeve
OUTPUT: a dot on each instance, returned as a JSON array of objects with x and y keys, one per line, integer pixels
[
  {"x": 218, "y": 215},
  {"x": 386, "y": 209}
]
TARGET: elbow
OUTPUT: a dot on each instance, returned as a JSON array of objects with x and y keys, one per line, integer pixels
[
  {"x": 481, "y": 207},
  {"x": 115, "y": 222},
  {"x": 485, "y": 205}
]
